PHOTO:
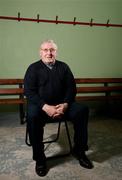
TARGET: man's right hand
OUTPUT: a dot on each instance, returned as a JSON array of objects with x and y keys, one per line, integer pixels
[{"x": 51, "y": 111}]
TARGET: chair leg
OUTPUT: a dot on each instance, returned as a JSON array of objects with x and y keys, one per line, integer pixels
[
  {"x": 57, "y": 137},
  {"x": 27, "y": 140},
  {"x": 21, "y": 113},
  {"x": 68, "y": 135},
  {"x": 69, "y": 141}
]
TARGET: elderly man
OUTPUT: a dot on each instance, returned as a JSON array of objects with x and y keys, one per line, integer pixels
[{"x": 50, "y": 90}]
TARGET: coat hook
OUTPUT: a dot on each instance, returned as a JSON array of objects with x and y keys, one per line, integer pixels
[
  {"x": 18, "y": 16},
  {"x": 107, "y": 25},
  {"x": 37, "y": 18},
  {"x": 91, "y": 21},
  {"x": 74, "y": 22},
  {"x": 56, "y": 19}
]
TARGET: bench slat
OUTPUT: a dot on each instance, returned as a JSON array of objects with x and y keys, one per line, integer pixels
[
  {"x": 98, "y": 80},
  {"x": 11, "y": 81},
  {"x": 98, "y": 89},
  {"x": 97, "y": 98},
  {"x": 11, "y": 91},
  {"x": 12, "y": 101},
  {"x": 78, "y": 80}
]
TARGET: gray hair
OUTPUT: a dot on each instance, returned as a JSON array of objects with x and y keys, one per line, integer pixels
[{"x": 49, "y": 41}]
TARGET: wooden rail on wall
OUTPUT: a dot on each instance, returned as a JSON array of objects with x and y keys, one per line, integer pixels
[{"x": 56, "y": 21}]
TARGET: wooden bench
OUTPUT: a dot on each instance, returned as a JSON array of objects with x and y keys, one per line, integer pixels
[
  {"x": 97, "y": 89},
  {"x": 88, "y": 89},
  {"x": 12, "y": 92}
]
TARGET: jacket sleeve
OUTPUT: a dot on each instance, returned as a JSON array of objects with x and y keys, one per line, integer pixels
[{"x": 31, "y": 87}]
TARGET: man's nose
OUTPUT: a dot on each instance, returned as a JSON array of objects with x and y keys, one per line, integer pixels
[{"x": 49, "y": 51}]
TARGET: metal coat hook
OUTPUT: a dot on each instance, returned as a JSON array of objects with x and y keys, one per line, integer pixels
[
  {"x": 18, "y": 16},
  {"x": 56, "y": 19},
  {"x": 91, "y": 22},
  {"x": 107, "y": 25},
  {"x": 74, "y": 22},
  {"x": 37, "y": 18}
]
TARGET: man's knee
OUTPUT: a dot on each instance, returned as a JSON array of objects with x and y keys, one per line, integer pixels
[{"x": 78, "y": 109}]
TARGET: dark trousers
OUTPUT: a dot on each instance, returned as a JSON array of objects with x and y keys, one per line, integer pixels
[{"x": 36, "y": 119}]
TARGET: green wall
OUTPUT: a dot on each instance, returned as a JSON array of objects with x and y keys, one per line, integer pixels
[{"x": 89, "y": 51}]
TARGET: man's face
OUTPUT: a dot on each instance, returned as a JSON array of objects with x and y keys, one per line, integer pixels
[{"x": 48, "y": 53}]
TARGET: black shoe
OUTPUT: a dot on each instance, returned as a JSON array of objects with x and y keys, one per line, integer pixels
[
  {"x": 83, "y": 160},
  {"x": 41, "y": 169}
]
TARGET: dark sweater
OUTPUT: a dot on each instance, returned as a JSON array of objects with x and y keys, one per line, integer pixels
[{"x": 49, "y": 86}]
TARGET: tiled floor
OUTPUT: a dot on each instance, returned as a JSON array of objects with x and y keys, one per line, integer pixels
[{"x": 105, "y": 141}]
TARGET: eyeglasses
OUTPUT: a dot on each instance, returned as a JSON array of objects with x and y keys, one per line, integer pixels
[{"x": 51, "y": 50}]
